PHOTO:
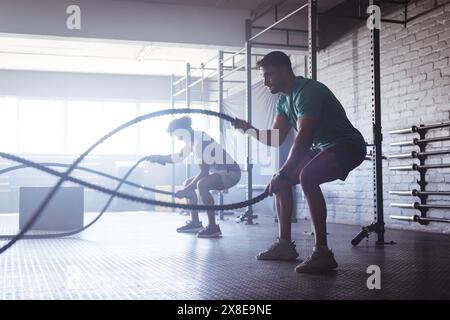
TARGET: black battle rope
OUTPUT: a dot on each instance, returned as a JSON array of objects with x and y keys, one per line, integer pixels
[
  {"x": 65, "y": 176},
  {"x": 75, "y": 231},
  {"x": 129, "y": 197},
  {"x": 99, "y": 173}
]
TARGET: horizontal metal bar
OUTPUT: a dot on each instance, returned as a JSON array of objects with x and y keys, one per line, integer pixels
[
  {"x": 416, "y": 192},
  {"x": 404, "y": 205},
  {"x": 434, "y": 126},
  {"x": 393, "y": 21},
  {"x": 179, "y": 92},
  {"x": 227, "y": 81},
  {"x": 403, "y": 168},
  {"x": 256, "y": 17},
  {"x": 233, "y": 71},
  {"x": 437, "y": 139},
  {"x": 421, "y": 128},
  {"x": 415, "y": 154},
  {"x": 202, "y": 79},
  {"x": 200, "y": 68},
  {"x": 280, "y": 45},
  {"x": 233, "y": 81},
  {"x": 420, "y": 167},
  {"x": 233, "y": 55},
  {"x": 401, "y": 131},
  {"x": 434, "y": 166},
  {"x": 403, "y": 218},
  {"x": 404, "y": 143},
  {"x": 420, "y": 141},
  {"x": 417, "y": 205},
  {"x": 431, "y": 193},
  {"x": 346, "y": 16},
  {"x": 391, "y": 1},
  {"x": 400, "y": 155},
  {"x": 211, "y": 59},
  {"x": 432, "y": 206},
  {"x": 282, "y": 29},
  {"x": 430, "y": 153},
  {"x": 427, "y": 11},
  {"x": 402, "y": 193},
  {"x": 417, "y": 218},
  {"x": 179, "y": 81},
  {"x": 278, "y": 22},
  {"x": 243, "y": 53}
]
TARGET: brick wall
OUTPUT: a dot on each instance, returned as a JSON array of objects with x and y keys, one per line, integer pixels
[{"x": 415, "y": 84}]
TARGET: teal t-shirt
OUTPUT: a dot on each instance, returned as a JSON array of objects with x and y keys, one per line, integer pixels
[{"x": 312, "y": 98}]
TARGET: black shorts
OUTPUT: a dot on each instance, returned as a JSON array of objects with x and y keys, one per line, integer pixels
[{"x": 348, "y": 156}]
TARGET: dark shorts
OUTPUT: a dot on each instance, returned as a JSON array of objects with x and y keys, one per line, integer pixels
[{"x": 348, "y": 156}]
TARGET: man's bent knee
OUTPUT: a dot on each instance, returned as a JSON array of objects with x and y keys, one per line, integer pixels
[{"x": 307, "y": 180}]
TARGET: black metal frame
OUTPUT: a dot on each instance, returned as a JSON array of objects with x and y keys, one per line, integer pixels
[{"x": 378, "y": 225}]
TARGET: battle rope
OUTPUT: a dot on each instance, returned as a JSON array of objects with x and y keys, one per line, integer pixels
[
  {"x": 65, "y": 176},
  {"x": 75, "y": 231},
  {"x": 99, "y": 173},
  {"x": 129, "y": 197}
]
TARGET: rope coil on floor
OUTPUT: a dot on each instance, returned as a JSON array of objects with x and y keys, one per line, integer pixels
[{"x": 65, "y": 176}]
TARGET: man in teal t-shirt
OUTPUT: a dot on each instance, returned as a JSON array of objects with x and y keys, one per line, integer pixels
[{"x": 326, "y": 148}]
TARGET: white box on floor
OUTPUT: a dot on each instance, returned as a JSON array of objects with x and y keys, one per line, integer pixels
[{"x": 64, "y": 212}]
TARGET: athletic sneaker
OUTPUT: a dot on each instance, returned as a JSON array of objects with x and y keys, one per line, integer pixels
[
  {"x": 280, "y": 250},
  {"x": 318, "y": 262},
  {"x": 190, "y": 227},
  {"x": 211, "y": 231}
]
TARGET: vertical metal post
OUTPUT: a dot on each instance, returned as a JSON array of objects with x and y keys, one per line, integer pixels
[
  {"x": 377, "y": 135},
  {"x": 423, "y": 177},
  {"x": 172, "y": 104},
  {"x": 188, "y": 105},
  {"x": 305, "y": 66},
  {"x": 220, "y": 95},
  {"x": 312, "y": 39},
  {"x": 248, "y": 105},
  {"x": 406, "y": 12},
  {"x": 222, "y": 138}
]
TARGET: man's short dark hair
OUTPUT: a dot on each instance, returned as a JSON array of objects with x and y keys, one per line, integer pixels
[{"x": 275, "y": 59}]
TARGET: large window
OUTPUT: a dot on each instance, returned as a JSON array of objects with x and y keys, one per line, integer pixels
[
  {"x": 41, "y": 127},
  {"x": 8, "y": 124},
  {"x": 88, "y": 121},
  {"x": 33, "y": 126}
]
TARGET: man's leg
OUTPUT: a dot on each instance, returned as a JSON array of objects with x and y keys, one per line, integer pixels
[
  {"x": 284, "y": 248},
  {"x": 284, "y": 199},
  {"x": 323, "y": 168},
  {"x": 284, "y": 203}
]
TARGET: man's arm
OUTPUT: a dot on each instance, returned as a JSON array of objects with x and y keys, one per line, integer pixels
[
  {"x": 267, "y": 137},
  {"x": 306, "y": 126}
]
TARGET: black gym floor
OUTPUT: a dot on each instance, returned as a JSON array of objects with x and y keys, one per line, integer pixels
[{"x": 140, "y": 256}]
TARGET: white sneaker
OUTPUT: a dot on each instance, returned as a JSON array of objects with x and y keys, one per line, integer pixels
[
  {"x": 318, "y": 262},
  {"x": 279, "y": 251}
]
